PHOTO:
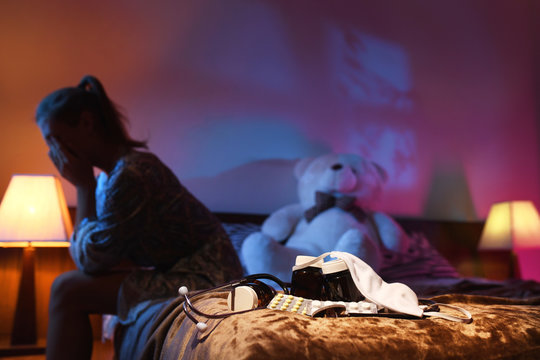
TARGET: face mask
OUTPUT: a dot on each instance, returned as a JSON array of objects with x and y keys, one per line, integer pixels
[{"x": 396, "y": 297}]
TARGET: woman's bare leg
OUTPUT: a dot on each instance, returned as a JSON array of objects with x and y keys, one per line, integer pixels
[{"x": 75, "y": 295}]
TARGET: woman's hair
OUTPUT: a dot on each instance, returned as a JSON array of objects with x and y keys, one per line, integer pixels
[{"x": 68, "y": 103}]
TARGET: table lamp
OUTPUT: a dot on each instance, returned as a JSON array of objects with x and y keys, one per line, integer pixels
[
  {"x": 514, "y": 226},
  {"x": 33, "y": 213}
]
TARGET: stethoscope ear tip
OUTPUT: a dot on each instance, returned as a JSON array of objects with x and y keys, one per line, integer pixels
[
  {"x": 183, "y": 290},
  {"x": 202, "y": 326}
]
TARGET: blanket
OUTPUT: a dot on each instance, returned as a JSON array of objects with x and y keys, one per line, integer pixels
[{"x": 501, "y": 328}]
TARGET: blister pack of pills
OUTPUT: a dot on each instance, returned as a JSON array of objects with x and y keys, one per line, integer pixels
[{"x": 310, "y": 307}]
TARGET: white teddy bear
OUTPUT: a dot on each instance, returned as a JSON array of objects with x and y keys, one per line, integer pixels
[{"x": 337, "y": 193}]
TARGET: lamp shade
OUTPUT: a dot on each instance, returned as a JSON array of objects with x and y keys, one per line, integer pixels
[
  {"x": 34, "y": 212},
  {"x": 511, "y": 225}
]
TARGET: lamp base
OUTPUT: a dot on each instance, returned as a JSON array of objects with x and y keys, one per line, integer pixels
[
  {"x": 23, "y": 340},
  {"x": 24, "y": 324}
]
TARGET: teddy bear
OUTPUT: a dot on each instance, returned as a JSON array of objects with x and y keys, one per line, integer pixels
[{"x": 337, "y": 195}]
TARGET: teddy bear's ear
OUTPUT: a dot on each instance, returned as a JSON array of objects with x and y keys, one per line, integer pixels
[
  {"x": 301, "y": 167},
  {"x": 380, "y": 170}
]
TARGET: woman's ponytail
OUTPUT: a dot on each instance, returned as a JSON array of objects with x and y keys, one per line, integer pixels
[
  {"x": 68, "y": 103},
  {"x": 89, "y": 82}
]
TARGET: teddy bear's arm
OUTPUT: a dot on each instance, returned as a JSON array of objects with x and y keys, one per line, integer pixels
[
  {"x": 392, "y": 234},
  {"x": 282, "y": 222}
]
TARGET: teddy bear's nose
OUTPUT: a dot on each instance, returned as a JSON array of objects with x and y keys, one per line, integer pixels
[{"x": 337, "y": 166}]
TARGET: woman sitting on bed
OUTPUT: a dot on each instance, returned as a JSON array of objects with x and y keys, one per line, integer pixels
[{"x": 139, "y": 233}]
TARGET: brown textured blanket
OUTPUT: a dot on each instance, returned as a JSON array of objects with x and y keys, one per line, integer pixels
[{"x": 501, "y": 328}]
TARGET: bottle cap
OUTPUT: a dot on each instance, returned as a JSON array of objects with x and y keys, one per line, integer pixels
[
  {"x": 334, "y": 266},
  {"x": 302, "y": 259}
]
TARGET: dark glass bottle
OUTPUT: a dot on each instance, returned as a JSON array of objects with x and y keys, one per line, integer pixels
[
  {"x": 338, "y": 282},
  {"x": 307, "y": 282},
  {"x": 250, "y": 296}
]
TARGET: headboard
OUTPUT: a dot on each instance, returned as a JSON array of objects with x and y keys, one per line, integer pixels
[{"x": 457, "y": 241}]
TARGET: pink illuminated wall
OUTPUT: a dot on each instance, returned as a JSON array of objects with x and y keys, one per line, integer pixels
[{"x": 229, "y": 93}]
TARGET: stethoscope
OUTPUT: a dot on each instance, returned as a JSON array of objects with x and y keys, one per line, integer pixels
[{"x": 246, "y": 295}]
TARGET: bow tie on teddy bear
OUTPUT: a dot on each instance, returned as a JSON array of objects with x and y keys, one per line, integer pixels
[{"x": 325, "y": 201}]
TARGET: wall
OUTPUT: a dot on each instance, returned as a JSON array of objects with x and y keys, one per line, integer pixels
[{"x": 230, "y": 93}]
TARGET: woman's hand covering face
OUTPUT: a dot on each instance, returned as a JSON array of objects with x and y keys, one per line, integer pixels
[{"x": 71, "y": 166}]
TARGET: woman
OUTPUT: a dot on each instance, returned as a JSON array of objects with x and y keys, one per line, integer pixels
[{"x": 139, "y": 233}]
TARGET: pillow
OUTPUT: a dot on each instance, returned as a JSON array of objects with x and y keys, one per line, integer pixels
[{"x": 422, "y": 260}]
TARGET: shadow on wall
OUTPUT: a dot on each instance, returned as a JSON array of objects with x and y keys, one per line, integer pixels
[
  {"x": 259, "y": 187},
  {"x": 449, "y": 196},
  {"x": 228, "y": 142}
]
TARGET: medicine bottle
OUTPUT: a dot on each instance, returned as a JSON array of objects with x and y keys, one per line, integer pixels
[
  {"x": 338, "y": 282},
  {"x": 255, "y": 294},
  {"x": 307, "y": 282}
]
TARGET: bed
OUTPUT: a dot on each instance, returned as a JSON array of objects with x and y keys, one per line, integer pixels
[{"x": 444, "y": 268}]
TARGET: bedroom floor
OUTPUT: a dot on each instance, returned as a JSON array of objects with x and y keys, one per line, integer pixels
[{"x": 101, "y": 352}]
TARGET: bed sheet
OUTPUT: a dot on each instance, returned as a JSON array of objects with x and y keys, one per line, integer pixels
[{"x": 501, "y": 328}]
